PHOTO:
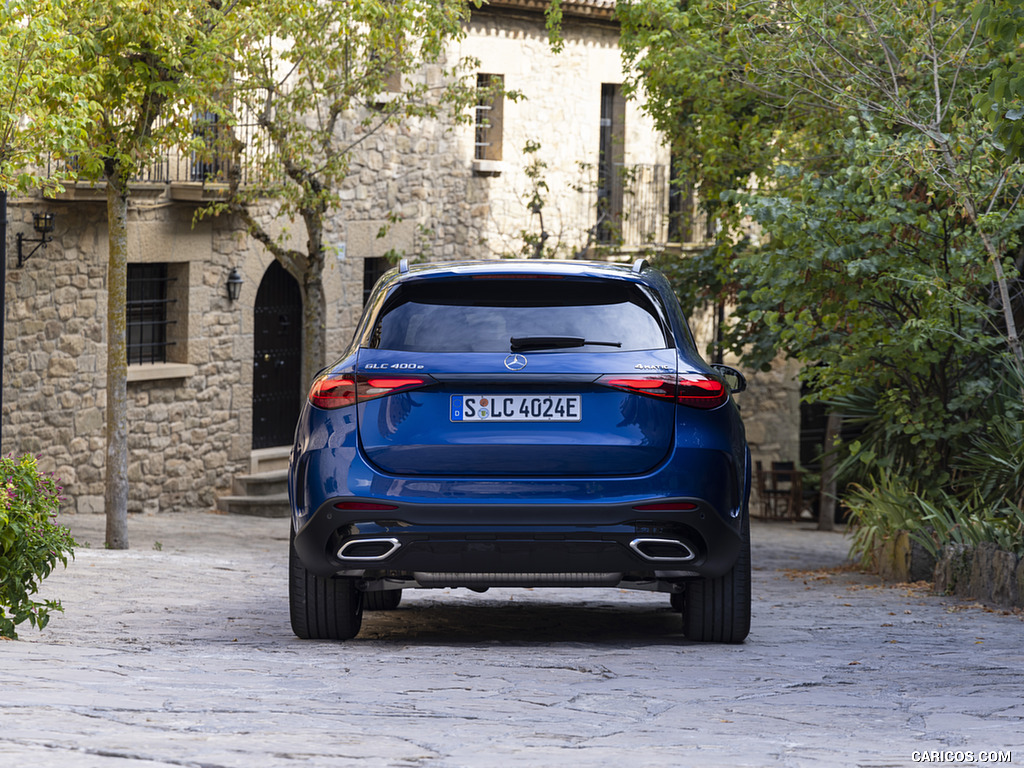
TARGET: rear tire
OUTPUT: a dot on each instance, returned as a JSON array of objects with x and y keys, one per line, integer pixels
[
  {"x": 718, "y": 610},
  {"x": 322, "y": 607},
  {"x": 386, "y": 600}
]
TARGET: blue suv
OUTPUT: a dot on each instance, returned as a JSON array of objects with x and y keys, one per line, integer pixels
[{"x": 520, "y": 424}]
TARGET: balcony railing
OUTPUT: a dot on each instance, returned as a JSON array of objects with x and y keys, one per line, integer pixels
[
  {"x": 647, "y": 210},
  {"x": 209, "y": 165}
]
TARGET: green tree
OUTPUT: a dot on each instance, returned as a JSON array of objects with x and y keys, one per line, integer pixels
[
  {"x": 887, "y": 249},
  {"x": 145, "y": 70},
  {"x": 1002, "y": 103},
  {"x": 35, "y": 67},
  {"x": 320, "y": 79},
  {"x": 35, "y": 56},
  {"x": 882, "y": 287},
  {"x": 782, "y": 82},
  {"x": 688, "y": 69},
  {"x": 916, "y": 69}
]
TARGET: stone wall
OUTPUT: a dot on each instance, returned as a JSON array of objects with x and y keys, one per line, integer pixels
[
  {"x": 54, "y": 351},
  {"x": 560, "y": 110},
  {"x": 985, "y": 573},
  {"x": 416, "y": 172},
  {"x": 184, "y": 417}
]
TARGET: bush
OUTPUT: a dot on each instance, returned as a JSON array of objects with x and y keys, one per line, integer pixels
[
  {"x": 31, "y": 543},
  {"x": 934, "y": 520},
  {"x": 981, "y": 499},
  {"x": 880, "y": 510}
]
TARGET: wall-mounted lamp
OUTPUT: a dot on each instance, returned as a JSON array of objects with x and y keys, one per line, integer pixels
[
  {"x": 42, "y": 223},
  {"x": 234, "y": 285}
]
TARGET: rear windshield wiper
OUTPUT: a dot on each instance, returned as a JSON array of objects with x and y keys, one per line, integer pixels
[{"x": 524, "y": 343}]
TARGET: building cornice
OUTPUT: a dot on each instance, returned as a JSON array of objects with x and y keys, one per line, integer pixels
[{"x": 599, "y": 10}]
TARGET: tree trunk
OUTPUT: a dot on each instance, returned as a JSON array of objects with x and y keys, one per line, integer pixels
[
  {"x": 827, "y": 501},
  {"x": 314, "y": 327},
  {"x": 115, "y": 494},
  {"x": 3, "y": 297}
]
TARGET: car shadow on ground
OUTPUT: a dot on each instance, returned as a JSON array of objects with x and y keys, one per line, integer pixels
[{"x": 519, "y": 621}]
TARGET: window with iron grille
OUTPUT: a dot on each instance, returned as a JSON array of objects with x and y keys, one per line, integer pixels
[
  {"x": 611, "y": 156},
  {"x": 374, "y": 268},
  {"x": 489, "y": 110},
  {"x": 148, "y": 316}
]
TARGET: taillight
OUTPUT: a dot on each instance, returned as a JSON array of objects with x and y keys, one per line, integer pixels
[
  {"x": 701, "y": 391},
  {"x": 369, "y": 387},
  {"x": 333, "y": 391},
  {"x": 337, "y": 390},
  {"x": 691, "y": 389}
]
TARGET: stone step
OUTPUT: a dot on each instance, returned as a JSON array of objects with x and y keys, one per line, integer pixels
[
  {"x": 273, "y": 505},
  {"x": 268, "y": 459},
  {"x": 261, "y": 484},
  {"x": 261, "y": 494}
]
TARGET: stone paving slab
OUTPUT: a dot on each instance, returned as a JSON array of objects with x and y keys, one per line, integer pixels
[{"x": 178, "y": 653}]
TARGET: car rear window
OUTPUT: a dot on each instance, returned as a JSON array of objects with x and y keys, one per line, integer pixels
[{"x": 483, "y": 314}]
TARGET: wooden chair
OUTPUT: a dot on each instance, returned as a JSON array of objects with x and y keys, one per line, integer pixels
[{"x": 780, "y": 490}]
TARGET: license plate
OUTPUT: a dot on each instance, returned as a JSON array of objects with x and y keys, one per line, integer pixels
[{"x": 516, "y": 408}]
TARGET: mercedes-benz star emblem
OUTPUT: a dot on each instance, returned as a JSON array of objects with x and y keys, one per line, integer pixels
[{"x": 515, "y": 362}]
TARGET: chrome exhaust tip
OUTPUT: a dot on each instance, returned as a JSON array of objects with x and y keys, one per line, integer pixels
[
  {"x": 368, "y": 550},
  {"x": 663, "y": 550}
]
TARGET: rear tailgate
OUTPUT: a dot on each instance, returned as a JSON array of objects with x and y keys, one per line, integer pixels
[{"x": 479, "y": 417}]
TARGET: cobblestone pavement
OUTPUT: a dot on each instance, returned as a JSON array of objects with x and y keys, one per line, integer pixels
[{"x": 178, "y": 653}]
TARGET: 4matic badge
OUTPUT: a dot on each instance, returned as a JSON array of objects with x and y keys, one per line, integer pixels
[{"x": 654, "y": 367}]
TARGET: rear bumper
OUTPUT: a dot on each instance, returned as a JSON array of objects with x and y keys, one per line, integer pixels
[{"x": 518, "y": 538}]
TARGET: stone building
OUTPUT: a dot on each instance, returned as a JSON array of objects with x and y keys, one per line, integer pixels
[{"x": 214, "y": 383}]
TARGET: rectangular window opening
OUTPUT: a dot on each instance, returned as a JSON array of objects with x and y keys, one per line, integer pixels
[
  {"x": 374, "y": 268},
  {"x": 147, "y": 313},
  {"x": 489, "y": 113},
  {"x": 611, "y": 163}
]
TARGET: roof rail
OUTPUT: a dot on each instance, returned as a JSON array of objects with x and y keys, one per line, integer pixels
[
  {"x": 403, "y": 266},
  {"x": 639, "y": 266}
]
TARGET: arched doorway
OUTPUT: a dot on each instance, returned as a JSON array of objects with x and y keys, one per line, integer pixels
[{"x": 277, "y": 359}]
